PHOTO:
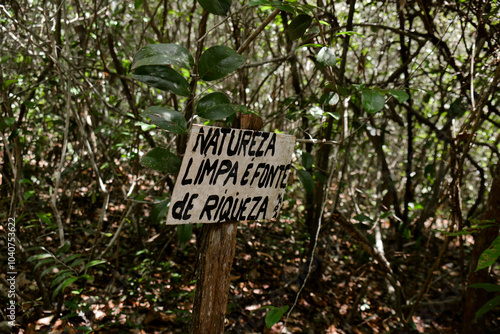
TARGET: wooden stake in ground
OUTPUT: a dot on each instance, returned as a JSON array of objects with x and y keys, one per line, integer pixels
[
  {"x": 215, "y": 259},
  {"x": 227, "y": 176}
]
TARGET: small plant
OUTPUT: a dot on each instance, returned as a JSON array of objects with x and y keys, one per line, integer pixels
[
  {"x": 274, "y": 314},
  {"x": 488, "y": 259},
  {"x": 64, "y": 269}
]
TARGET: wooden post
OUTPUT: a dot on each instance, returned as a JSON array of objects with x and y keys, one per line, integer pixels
[
  {"x": 476, "y": 298},
  {"x": 215, "y": 259}
]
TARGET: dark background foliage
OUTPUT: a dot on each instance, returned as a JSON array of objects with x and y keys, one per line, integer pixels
[{"x": 403, "y": 104}]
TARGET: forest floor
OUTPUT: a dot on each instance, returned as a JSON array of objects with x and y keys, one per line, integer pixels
[{"x": 149, "y": 288}]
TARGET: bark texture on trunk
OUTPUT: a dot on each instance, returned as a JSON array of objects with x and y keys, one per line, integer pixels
[{"x": 215, "y": 259}]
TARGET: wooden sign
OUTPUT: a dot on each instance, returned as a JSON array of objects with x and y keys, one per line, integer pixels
[{"x": 231, "y": 174}]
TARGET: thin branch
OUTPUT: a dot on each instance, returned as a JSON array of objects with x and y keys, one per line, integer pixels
[
  {"x": 268, "y": 61},
  {"x": 128, "y": 92},
  {"x": 375, "y": 254},
  {"x": 315, "y": 244},
  {"x": 425, "y": 286},
  {"x": 257, "y": 31},
  {"x": 316, "y": 141},
  {"x": 118, "y": 231},
  {"x": 414, "y": 35}
]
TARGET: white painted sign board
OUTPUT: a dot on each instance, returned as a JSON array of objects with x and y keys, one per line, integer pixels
[{"x": 231, "y": 175}]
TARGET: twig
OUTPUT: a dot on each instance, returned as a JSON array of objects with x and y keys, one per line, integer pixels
[
  {"x": 354, "y": 306},
  {"x": 19, "y": 292},
  {"x": 315, "y": 244},
  {"x": 438, "y": 303},
  {"x": 268, "y": 61},
  {"x": 375, "y": 254},
  {"x": 428, "y": 280},
  {"x": 118, "y": 231},
  {"x": 316, "y": 141},
  {"x": 200, "y": 39},
  {"x": 57, "y": 51},
  {"x": 257, "y": 31},
  {"x": 9, "y": 155},
  {"x": 130, "y": 205}
]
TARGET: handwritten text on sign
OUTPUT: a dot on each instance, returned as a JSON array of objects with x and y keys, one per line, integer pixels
[{"x": 231, "y": 174}]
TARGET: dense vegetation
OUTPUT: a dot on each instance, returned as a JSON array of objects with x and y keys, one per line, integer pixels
[{"x": 395, "y": 186}]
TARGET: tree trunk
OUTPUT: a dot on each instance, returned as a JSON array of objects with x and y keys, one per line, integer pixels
[
  {"x": 476, "y": 298},
  {"x": 216, "y": 253}
]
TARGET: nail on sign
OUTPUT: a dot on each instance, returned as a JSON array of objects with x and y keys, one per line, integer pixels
[{"x": 231, "y": 175}]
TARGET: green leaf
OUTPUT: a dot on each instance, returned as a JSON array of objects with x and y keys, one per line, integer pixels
[
  {"x": 490, "y": 255},
  {"x": 218, "y": 61},
  {"x": 222, "y": 111},
  {"x": 258, "y": 3},
  {"x": 372, "y": 101},
  {"x": 63, "y": 285},
  {"x": 28, "y": 194},
  {"x": 486, "y": 286},
  {"x": 76, "y": 262},
  {"x": 167, "y": 119},
  {"x": 363, "y": 218},
  {"x": 457, "y": 108},
  {"x": 60, "y": 276},
  {"x": 275, "y": 4},
  {"x": 48, "y": 270},
  {"x": 64, "y": 248},
  {"x": 138, "y": 3},
  {"x": 212, "y": 100},
  {"x": 38, "y": 257},
  {"x": 216, "y": 106},
  {"x": 326, "y": 57},
  {"x": 144, "y": 127},
  {"x": 490, "y": 305},
  {"x": 310, "y": 45},
  {"x": 71, "y": 257},
  {"x": 86, "y": 277},
  {"x": 399, "y": 95},
  {"x": 349, "y": 33},
  {"x": 217, "y": 7},
  {"x": 184, "y": 232},
  {"x": 94, "y": 263},
  {"x": 307, "y": 160},
  {"x": 25, "y": 181},
  {"x": 334, "y": 115},
  {"x": 29, "y": 104},
  {"x": 9, "y": 82},
  {"x": 329, "y": 98},
  {"x": 6, "y": 122},
  {"x": 162, "y": 77},
  {"x": 162, "y": 160},
  {"x": 159, "y": 212},
  {"x": 44, "y": 261},
  {"x": 318, "y": 176},
  {"x": 284, "y": 7},
  {"x": 299, "y": 25},
  {"x": 274, "y": 315},
  {"x": 359, "y": 86},
  {"x": 343, "y": 91},
  {"x": 307, "y": 180},
  {"x": 164, "y": 54},
  {"x": 45, "y": 217}
]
